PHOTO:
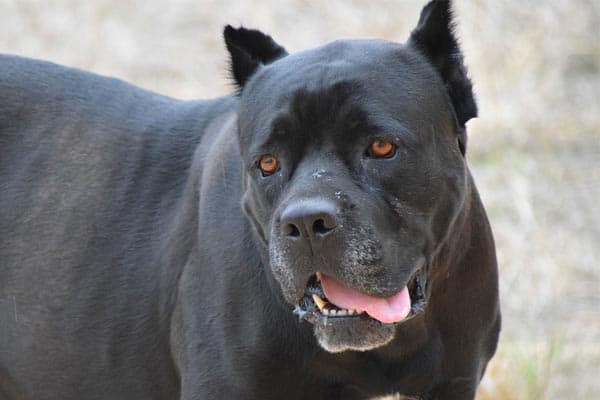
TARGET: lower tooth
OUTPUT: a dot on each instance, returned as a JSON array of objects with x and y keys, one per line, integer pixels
[{"x": 342, "y": 312}]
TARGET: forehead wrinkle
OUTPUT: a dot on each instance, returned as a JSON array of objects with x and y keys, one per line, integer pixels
[{"x": 333, "y": 108}]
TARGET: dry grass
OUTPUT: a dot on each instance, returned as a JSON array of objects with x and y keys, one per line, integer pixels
[{"x": 535, "y": 150}]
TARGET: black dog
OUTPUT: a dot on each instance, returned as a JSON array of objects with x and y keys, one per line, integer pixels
[{"x": 318, "y": 235}]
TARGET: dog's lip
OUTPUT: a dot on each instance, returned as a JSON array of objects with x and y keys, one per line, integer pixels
[{"x": 307, "y": 308}]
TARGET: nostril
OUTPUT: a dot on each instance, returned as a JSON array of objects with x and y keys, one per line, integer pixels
[
  {"x": 292, "y": 231},
  {"x": 319, "y": 227},
  {"x": 308, "y": 221}
]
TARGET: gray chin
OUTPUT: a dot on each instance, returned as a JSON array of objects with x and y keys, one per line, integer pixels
[{"x": 359, "y": 334}]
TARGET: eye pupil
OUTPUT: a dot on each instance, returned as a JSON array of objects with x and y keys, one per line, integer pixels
[
  {"x": 268, "y": 164},
  {"x": 382, "y": 148}
]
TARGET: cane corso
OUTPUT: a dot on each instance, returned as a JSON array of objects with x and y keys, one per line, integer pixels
[{"x": 315, "y": 235}]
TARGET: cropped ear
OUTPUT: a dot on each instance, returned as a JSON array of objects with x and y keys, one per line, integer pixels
[
  {"x": 434, "y": 38},
  {"x": 249, "y": 49}
]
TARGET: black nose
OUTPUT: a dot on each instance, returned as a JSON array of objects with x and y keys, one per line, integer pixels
[{"x": 308, "y": 220}]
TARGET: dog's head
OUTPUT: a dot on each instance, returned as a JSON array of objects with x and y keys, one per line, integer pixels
[{"x": 354, "y": 171}]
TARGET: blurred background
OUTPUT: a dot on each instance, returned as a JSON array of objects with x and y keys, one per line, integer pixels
[{"x": 534, "y": 150}]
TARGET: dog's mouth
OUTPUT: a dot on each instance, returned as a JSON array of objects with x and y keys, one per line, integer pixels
[{"x": 329, "y": 301}]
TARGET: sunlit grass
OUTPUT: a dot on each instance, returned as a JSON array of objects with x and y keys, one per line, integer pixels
[{"x": 521, "y": 370}]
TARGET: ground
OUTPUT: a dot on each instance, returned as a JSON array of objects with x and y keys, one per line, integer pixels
[{"x": 534, "y": 150}]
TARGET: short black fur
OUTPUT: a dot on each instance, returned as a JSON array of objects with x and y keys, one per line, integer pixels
[
  {"x": 143, "y": 255},
  {"x": 249, "y": 49},
  {"x": 434, "y": 37}
]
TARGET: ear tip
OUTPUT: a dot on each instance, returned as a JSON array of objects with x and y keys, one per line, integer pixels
[
  {"x": 230, "y": 32},
  {"x": 440, "y": 8},
  {"x": 436, "y": 19},
  {"x": 445, "y": 4},
  {"x": 248, "y": 50}
]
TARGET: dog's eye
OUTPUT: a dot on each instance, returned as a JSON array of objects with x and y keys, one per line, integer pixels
[
  {"x": 268, "y": 164},
  {"x": 382, "y": 148}
]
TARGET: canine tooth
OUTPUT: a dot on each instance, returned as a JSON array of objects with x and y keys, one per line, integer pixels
[
  {"x": 318, "y": 274},
  {"x": 319, "y": 301}
]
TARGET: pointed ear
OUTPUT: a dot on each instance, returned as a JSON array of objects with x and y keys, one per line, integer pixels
[
  {"x": 249, "y": 49},
  {"x": 434, "y": 38}
]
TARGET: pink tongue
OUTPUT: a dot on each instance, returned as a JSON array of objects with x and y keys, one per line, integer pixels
[{"x": 390, "y": 309}]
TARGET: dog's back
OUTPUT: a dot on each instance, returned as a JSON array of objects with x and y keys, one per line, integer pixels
[{"x": 90, "y": 169}]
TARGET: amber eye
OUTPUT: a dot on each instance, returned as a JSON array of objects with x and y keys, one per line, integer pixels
[
  {"x": 382, "y": 148},
  {"x": 268, "y": 164}
]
